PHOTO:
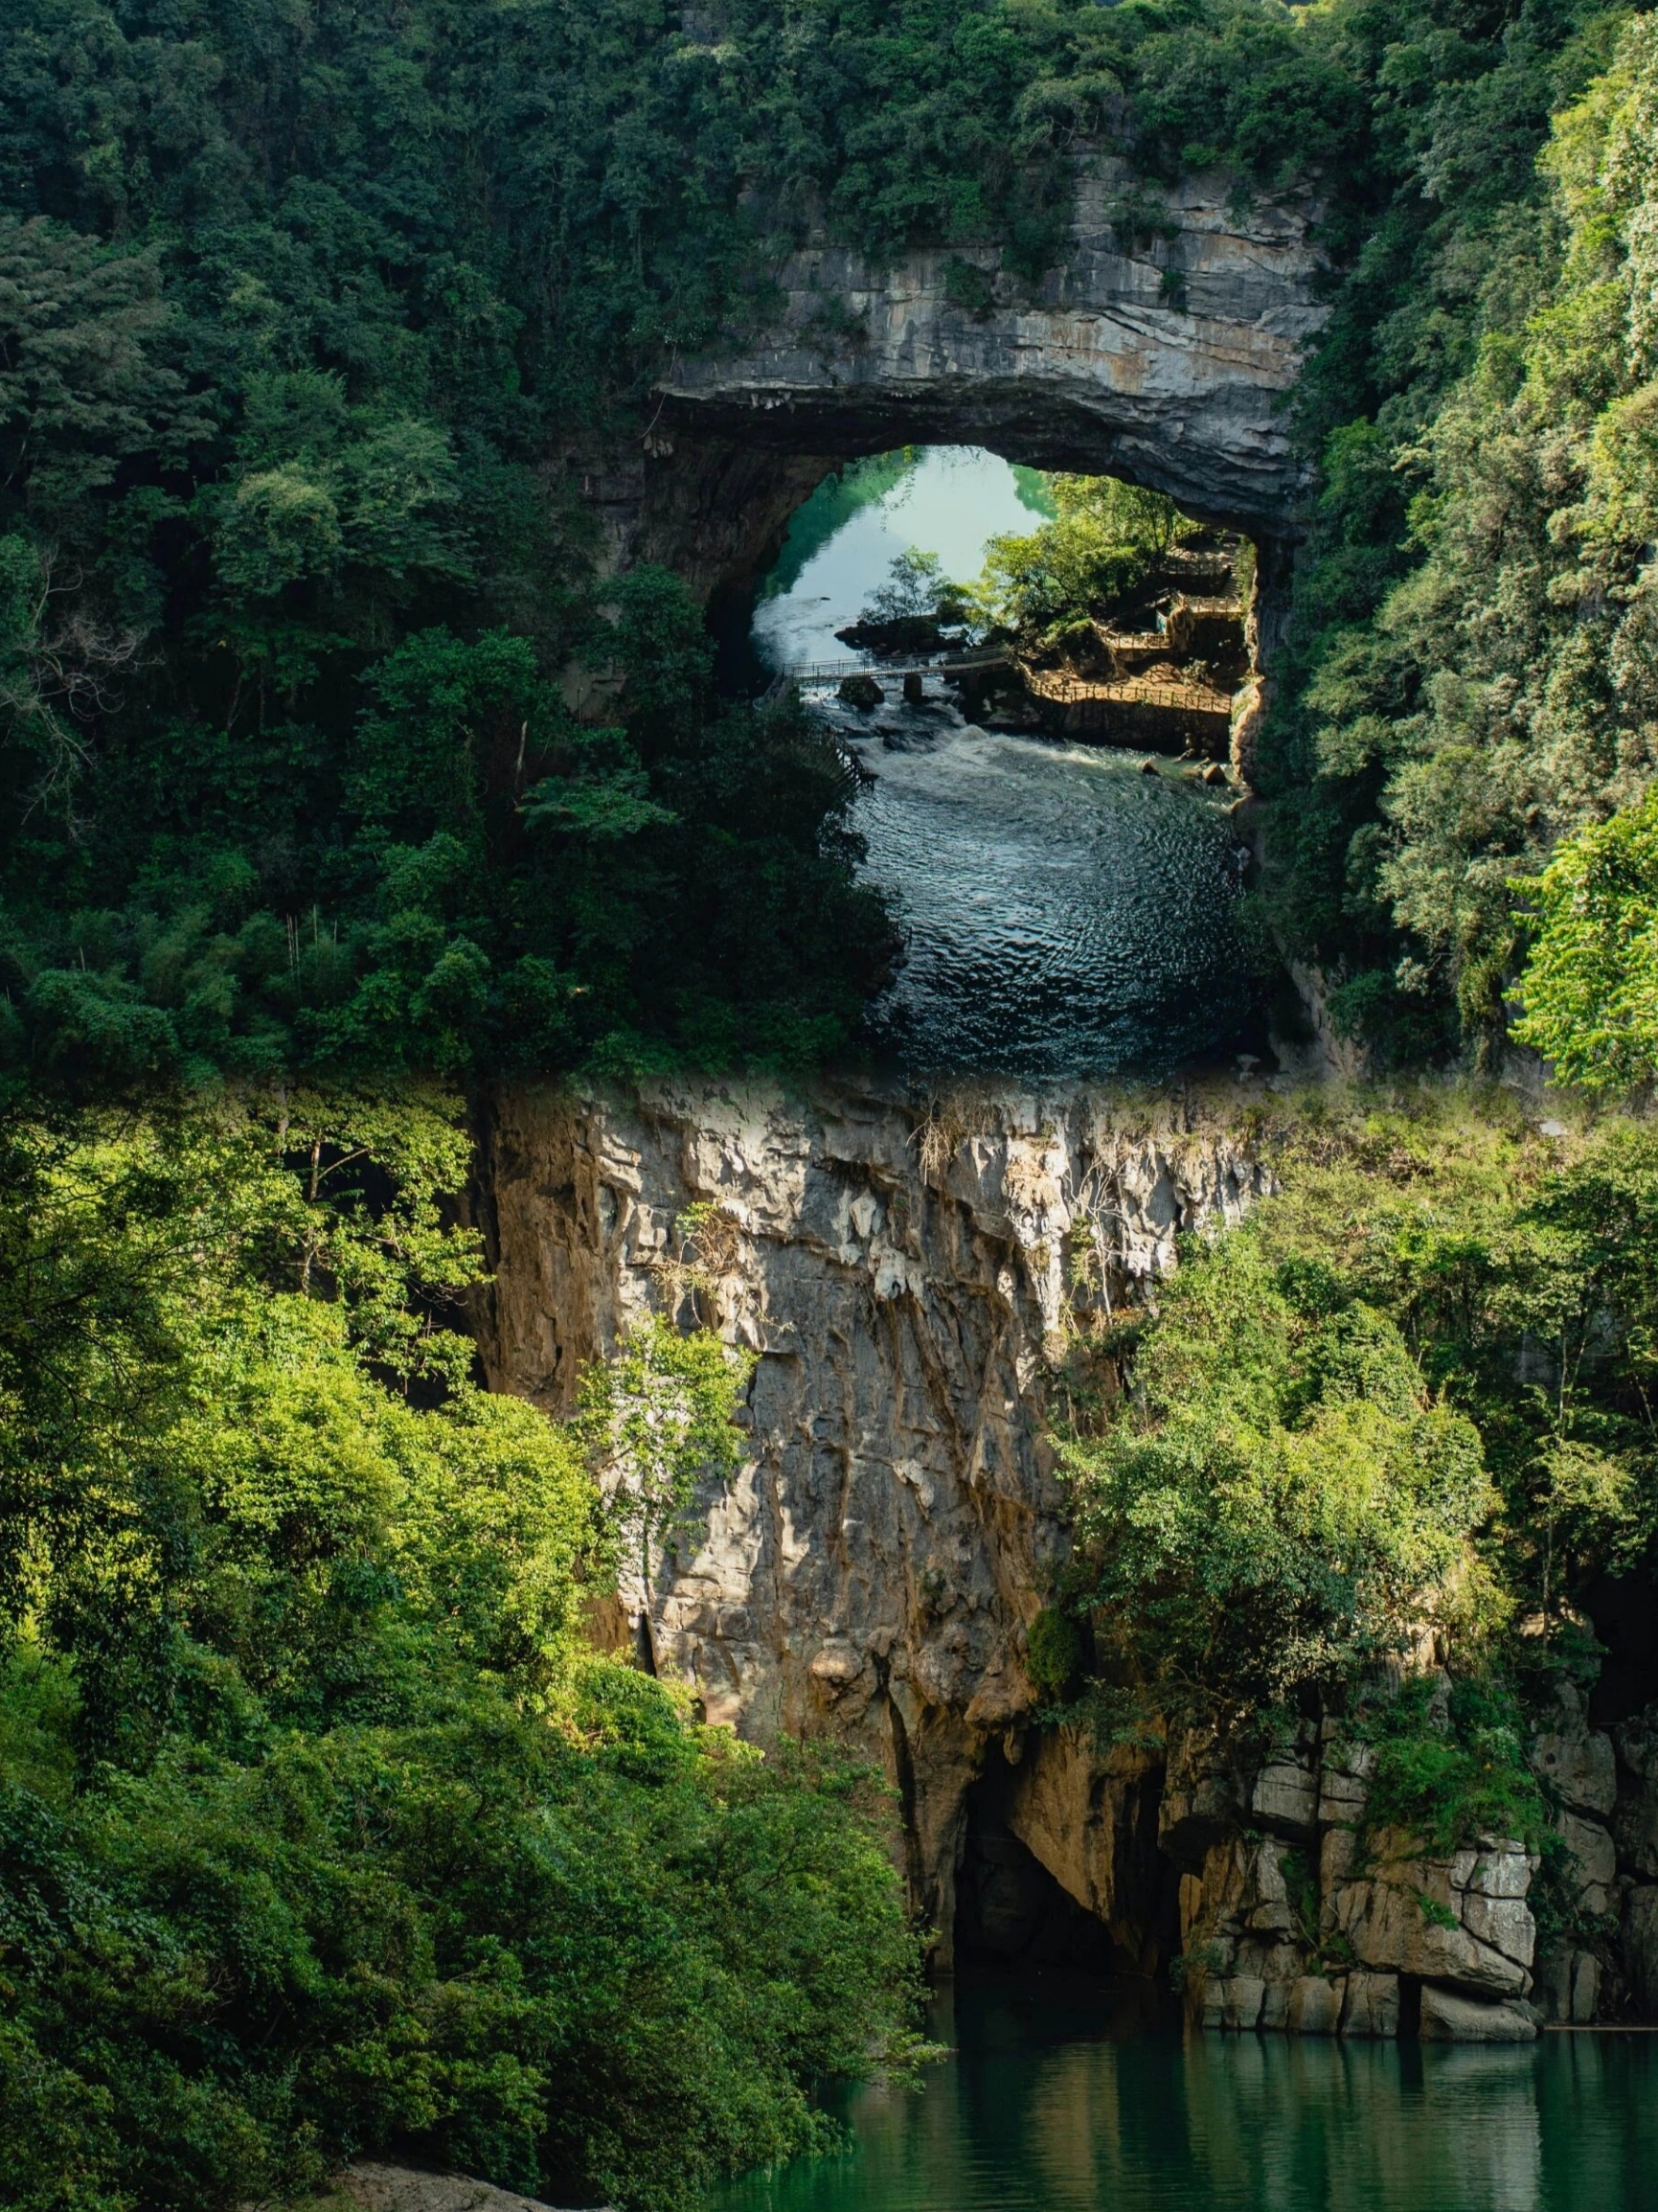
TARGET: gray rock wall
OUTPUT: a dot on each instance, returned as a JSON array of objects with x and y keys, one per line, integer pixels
[
  {"x": 904, "y": 1275},
  {"x": 1158, "y": 349}
]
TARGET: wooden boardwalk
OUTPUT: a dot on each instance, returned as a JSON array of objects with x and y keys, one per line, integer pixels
[
  {"x": 947, "y": 665},
  {"x": 1063, "y": 689}
]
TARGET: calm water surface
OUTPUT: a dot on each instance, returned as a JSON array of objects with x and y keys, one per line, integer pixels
[
  {"x": 1066, "y": 2106},
  {"x": 946, "y": 500}
]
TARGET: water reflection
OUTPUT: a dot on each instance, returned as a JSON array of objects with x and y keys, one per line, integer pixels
[
  {"x": 946, "y": 499},
  {"x": 1076, "y": 2103}
]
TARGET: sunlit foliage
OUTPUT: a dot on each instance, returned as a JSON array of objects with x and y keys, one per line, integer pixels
[{"x": 321, "y": 1829}]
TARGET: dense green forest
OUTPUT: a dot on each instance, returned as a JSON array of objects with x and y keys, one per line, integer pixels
[
  {"x": 321, "y": 1826},
  {"x": 304, "y": 314}
]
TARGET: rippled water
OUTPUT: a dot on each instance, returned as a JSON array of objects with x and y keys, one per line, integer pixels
[
  {"x": 1068, "y": 2105},
  {"x": 1065, "y": 914}
]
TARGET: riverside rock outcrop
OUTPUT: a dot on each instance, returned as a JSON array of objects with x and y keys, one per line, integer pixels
[
  {"x": 905, "y": 1273},
  {"x": 1297, "y": 1915}
]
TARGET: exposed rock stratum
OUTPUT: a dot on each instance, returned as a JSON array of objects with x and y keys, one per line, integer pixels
[{"x": 906, "y": 1275}]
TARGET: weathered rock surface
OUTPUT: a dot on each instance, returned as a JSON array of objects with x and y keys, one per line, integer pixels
[
  {"x": 385, "y": 2188},
  {"x": 1641, "y": 1946},
  {"x": 1450, "y": 2017},
  {"x": 1160, "y": 358},
  {"x": 1462, "y": 1921},
  {"x": 1090, "y": 1817},
  {"x": 902, "y": 1274},
  {"x": 1635, "y": 1817},
  {"x": 1578, "y": 1760}
]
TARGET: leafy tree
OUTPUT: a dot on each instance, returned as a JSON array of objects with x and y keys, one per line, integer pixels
[
  {"x": 656, "y": 1420},
  {"x": 916, "y": 589},
  {"x": 1471, "y": 683},
  {"x": 1589, "y": 991},
  {"x": 321, "y": 1829},
  {"x": 1105, "y": 539},
  {"x": 1280, "y": 1499}
]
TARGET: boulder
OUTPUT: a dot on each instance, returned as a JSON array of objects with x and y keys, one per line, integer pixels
[
  {"x": 1450, "y": 2017},
  {"x": 1569, "y": 1985},
  {"x": 1285, "y": 1796},
  {"x": 1585, "y": 1987},
  {"x": 1578, "y": 1760},
  {"x": 1242, "y": 1996},
  {"x": 1595, "y": 1858},
  {"x": 1372, "y": 2005},
  {"x": 860, "y": 691},
  {"x": 374, "y": 2187},
  {"x": 1462, "y": 1921},
  {"x": 1314, "y": 2006}
]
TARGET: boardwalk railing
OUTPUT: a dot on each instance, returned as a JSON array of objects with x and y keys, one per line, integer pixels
[{"x": 834, "y": 671}]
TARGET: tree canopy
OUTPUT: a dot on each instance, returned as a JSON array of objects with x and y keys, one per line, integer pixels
[{"x": 322, "y": 1830}]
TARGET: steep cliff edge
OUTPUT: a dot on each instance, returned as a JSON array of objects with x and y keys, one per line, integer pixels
[{"x": 907, "y": 1276}]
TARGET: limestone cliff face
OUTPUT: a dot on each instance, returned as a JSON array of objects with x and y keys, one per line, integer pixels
[
  {"x": 906, "y": 1276},
  {"x": 908, "y": 1273},
  {"x": 1158, "y": 348}
]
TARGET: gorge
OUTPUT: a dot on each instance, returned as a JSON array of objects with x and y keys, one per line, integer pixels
[{"x": 720, "y": 1401}]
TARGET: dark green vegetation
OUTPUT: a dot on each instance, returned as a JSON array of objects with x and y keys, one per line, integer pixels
[
  {"x": 1475, "y": 674},
  {"x": 1412, "y": 1394},
  {"x": 320, "y": 1828},
  {"x": 310, "y": 322}
]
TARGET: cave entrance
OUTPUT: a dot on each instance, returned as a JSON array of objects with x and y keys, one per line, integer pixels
[{"x": 1011, "y": 1916}]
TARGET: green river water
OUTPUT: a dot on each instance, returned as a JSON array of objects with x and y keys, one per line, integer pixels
[{"x": 1074, "y": 2101}]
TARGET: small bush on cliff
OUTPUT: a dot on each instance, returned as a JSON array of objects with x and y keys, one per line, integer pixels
[
  {"x": 1054, "y": 1650},
  {"x": 1451, "y": 1765},
  {"x": 1279, "y": 1498},
  {"x": 320, "y": 1832}
]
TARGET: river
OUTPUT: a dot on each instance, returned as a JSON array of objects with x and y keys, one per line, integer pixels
[
  {"x": 1063, "y": 2100},
  {"x": 1065, "y": 914}
]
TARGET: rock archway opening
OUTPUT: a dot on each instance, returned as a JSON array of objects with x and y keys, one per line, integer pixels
[{"x": 1032, "y": 676}]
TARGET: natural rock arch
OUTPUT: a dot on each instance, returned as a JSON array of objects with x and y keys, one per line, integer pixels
[{"x": 1161, "y": 347}]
